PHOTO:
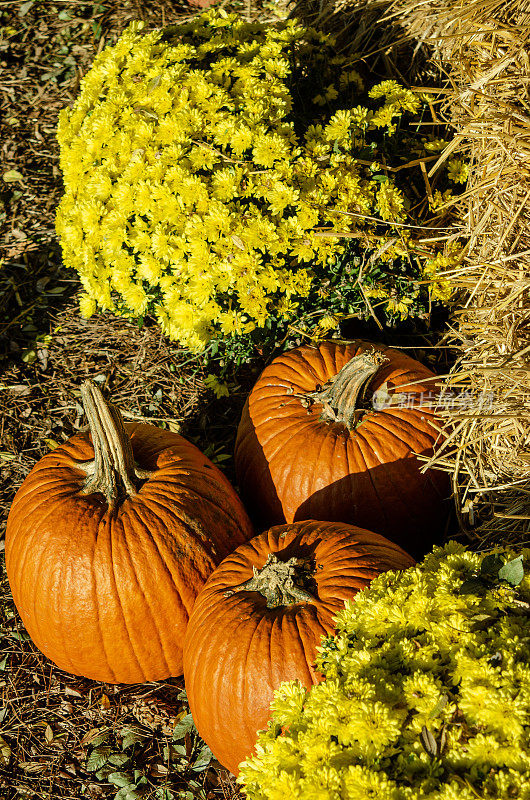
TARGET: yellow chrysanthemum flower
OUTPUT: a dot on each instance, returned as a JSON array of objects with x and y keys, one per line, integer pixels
[
  {"x": 196, "y": 191},
  {"x": 425, "y": 691}
]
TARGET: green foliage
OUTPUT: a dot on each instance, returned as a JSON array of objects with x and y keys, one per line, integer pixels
[
  {"x": 111, "y": 759},
  {"x": 123, "y": 758},
  {"x": 209, "y": 166},
  {"x": 426, "y": 692}
]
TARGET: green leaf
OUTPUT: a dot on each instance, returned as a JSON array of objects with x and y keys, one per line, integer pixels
[
  {"x": 56, "y": 290},
  {"x": 132, "y": 736},
  {"x": 121, "y": 779},
  {"x": 164, "y": 794},
  {"x": 154, "y": 83},
  {"x": 185, "y": 725},
  {"x": 20, "y": 636},
  {"x": 176, "y": 750},
  {"x": 100, "y": 738},
  {"x": 482, "y": 622},
  {"x": 203, "y": 759},
  {"x": 513, "y": 571},
  {"x": 118, "y": 759},
  {"x": 147, "y": 113},
  {"x": 29, "y": 355},
  {"x": 472, "y": 586},
  {"x": 127, "y": 793},
  {"x": 440, "y": 705},
  {"x": 97, "y": 758},
  {"x": 12, "y": 175},
  {"x": 491, "y": 565}
]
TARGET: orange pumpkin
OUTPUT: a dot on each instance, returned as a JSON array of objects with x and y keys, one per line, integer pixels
[
  {"x": 332, "y": 432},
  {"x": 109, "y": 540},
  {"x": 259, "y": 619}
]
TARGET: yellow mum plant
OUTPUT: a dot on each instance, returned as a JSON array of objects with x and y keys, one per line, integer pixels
[
  {"x": 426, "y": 692},
  {"x": 208, "y": 167}
]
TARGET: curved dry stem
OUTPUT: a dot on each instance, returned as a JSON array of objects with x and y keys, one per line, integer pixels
[
  {"x": 112, "y": 471},
  {"x": 341, "y": 395}
]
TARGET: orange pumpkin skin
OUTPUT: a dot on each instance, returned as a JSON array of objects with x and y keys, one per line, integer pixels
[
  {"x": 237, "y": 651},
  {"x": 107, "y": 593},
  {"x": 291, "y": 465}
]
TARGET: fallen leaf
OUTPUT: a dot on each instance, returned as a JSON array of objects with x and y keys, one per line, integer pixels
[
  {"x": 18, "y": 389},
  {"x": 25, "y": 7},
  {"x": 74, "y": 693},
  {"x": 429, "y": 742},
  {"x": 32, "y": 766},
  {"x": 12, "y": 175},
  {"x": 158, "y": 769},
  {"x": 93, "y": 734},
  {"x": 5, "y": 752}
]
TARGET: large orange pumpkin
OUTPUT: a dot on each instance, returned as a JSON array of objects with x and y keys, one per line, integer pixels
[
  {"x": 109, "y": 540},
  {"x": 260, "y": 616},
  {"x": 311, "y": 444}
]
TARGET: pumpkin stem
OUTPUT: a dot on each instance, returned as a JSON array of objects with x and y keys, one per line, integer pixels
[
  {"x": 112, "y": 471},
  {"x": 341, "y": 395},
  {"x": 275, "y": 581}
]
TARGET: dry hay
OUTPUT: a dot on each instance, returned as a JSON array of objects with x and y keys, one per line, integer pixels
[
  {"x": 481, "y": 50},
  {"x": 484, "y": 47}
]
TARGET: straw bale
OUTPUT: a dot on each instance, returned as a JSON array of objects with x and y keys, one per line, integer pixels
[
  {"x": 369, "y": 33},
  {"x": 482, "y": 49}
]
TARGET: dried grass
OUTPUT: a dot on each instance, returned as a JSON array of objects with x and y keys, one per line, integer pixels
[
  {"x": 481, "y": 51},
  {"x": 485, "y": 49}
]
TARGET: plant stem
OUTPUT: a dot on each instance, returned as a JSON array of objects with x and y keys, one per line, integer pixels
[
  {"x": 112, "y": 471},
  {"x": 342, "y": 394},
  {"x": 275, "y": 582}
]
